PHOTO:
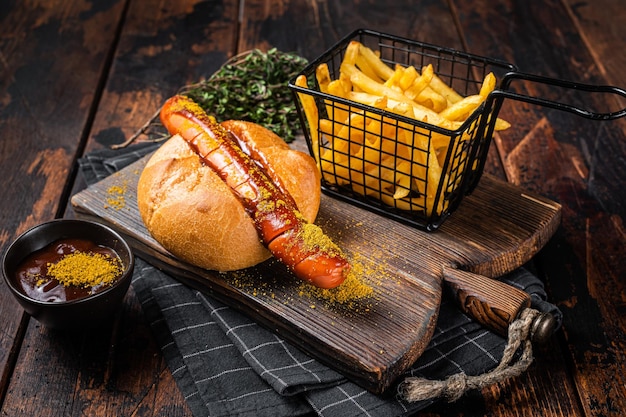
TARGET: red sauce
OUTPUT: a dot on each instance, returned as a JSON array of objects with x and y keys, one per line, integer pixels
[{"x": 34, "y": 280}]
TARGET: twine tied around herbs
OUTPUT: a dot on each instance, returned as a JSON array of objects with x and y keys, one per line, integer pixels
[{"x": 414, "y": 389}]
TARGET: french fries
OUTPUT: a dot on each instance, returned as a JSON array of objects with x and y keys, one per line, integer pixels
[{"x": 399, "y": 163}]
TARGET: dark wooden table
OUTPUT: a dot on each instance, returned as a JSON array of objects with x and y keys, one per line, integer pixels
[{"x": 78, "y": 76}]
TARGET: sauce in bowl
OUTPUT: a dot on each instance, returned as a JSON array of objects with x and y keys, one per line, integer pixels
[{"x": 68, "y": 269}]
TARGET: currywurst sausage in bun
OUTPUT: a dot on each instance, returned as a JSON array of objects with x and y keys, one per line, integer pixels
[{"x": 227, "y": 196}]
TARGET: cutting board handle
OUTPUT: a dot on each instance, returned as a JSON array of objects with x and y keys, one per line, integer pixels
[{"x": 495, "y": 304}]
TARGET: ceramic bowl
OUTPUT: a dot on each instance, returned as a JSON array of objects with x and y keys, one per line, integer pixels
[{"x": 93, "y": 309}]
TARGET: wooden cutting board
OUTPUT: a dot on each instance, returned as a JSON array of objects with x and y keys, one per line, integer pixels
[{"x": 496, "y": 229}]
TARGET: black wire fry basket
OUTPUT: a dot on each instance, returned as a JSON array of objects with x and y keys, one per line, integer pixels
[{"x": 403, "y": 128}]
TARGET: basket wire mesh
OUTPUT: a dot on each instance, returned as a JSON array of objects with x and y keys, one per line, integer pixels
[{"x": 401, "y": 167}]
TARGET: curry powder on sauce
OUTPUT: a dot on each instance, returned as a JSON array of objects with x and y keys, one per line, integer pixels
[{"x": 81, "y": 269}]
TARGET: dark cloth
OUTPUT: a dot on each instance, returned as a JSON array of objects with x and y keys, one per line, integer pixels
[{"x": 225, "y": 364}]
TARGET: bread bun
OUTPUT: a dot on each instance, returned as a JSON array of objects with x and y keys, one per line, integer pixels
[{"x": 193, "y": 214}]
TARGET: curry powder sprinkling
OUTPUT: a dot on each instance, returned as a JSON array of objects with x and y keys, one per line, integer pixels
[
  {"x": 314, "y": 238},
  {"x": 82, "y": 269},
  {"x": 353, "y": 290},
  {"x": 116, "y": 196}
]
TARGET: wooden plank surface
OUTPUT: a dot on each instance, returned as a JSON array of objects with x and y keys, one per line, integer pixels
[
  {"x": 578, "y": 163},
  {"x": 598, "y": 285},
  {"x": 582, "y": 167},
  {"x": 44, "y": 120}
]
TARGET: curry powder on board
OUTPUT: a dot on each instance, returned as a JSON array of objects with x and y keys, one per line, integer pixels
[{"x": 116, "y": 196}]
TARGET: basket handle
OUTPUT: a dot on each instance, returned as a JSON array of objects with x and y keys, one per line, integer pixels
[{"x": 503, "y": 92}]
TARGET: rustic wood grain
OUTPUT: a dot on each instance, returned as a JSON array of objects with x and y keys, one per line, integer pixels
[
  {"x": 578, "y": 163},
  {"x": 600, "y": 29},
  {"x": 162, "y": 47},
  {"x": 46, "y": 107},
  {"x": 104, "y": 367},
  {"x": 490, "y": 302},
  {"x": 44, "y": 113}
]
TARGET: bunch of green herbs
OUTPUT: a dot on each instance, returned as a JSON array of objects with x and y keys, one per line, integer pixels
[{"x": 253, "y": 88}]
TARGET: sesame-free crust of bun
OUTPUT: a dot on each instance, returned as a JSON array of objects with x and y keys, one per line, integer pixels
[{"x": 193, "y": 214}]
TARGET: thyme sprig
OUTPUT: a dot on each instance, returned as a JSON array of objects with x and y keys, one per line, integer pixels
[{"x": 253, "y": 87}]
